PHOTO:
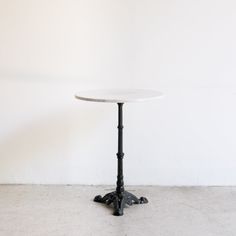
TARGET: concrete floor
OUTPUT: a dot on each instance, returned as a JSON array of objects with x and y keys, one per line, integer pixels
[{"x": 69, "y": 210}]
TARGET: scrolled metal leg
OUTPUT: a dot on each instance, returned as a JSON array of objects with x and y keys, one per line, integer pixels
[
  {"x": 106, "y": 199},
  {"x": 119, "y": 203}
]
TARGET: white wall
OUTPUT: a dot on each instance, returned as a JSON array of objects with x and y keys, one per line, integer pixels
[{"x": 51, "y": 49}]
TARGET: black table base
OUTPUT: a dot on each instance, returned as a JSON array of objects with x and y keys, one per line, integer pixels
[{"x": 120, "y": 198}]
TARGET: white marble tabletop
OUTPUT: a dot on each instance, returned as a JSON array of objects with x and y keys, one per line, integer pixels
[{"x": 118, "y": 95}]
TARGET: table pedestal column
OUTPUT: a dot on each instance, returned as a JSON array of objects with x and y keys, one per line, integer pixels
[{"x": 120, "y": 197}]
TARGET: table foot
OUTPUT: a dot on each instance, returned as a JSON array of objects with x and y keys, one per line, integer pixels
[{"x": 120, "y": 200}]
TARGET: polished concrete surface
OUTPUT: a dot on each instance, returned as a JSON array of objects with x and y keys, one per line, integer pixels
[{"x": 30, "y": 210}]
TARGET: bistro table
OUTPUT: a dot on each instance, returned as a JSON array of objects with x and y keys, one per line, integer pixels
[{"x": 119, "y": 198}]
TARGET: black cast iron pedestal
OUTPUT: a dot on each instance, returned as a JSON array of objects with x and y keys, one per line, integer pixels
[{"x": 120, "y": 197}]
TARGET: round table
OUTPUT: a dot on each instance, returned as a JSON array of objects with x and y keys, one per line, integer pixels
[{"x": 119, "y": 197}]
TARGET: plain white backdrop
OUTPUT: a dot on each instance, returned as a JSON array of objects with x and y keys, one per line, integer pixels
[{"x": 51, "y": 49}]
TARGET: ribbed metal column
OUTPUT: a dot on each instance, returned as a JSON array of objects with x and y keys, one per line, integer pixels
[{"x": 120, "y": 154}]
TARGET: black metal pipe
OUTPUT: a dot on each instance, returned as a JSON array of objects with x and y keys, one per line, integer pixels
[{"x": 120, "y": 154}]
